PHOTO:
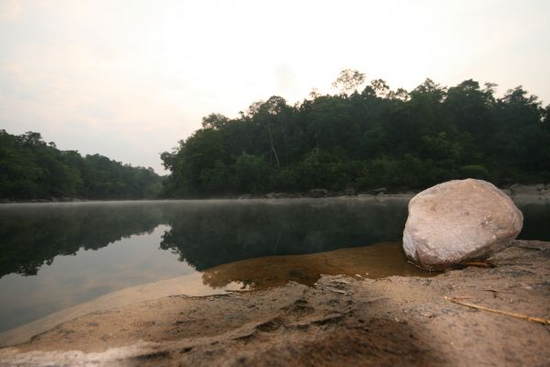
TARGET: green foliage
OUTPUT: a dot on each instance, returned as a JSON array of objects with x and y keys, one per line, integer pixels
[
  {"x": 33, "y": 169},
  {"x": 366, "y": 139},
  {"x": 474, "y": 171},
  {"x": 251, "y": 173},
  {"x": 320, "y": 169}
]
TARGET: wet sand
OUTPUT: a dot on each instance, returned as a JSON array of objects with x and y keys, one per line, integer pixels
[
  {"x": 374, "y": 261},
  {"x": 339, "y": 320}
]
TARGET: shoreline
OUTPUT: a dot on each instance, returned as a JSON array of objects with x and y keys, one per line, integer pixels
[
  {"x": 539, "y": 191},
  {"x": 381, "y": 259},
  {"x": 339, "y": 321}
]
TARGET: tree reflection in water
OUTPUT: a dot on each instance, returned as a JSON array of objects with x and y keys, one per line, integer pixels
[
  {"x": 208, "y": 233},
  {"x": 33, "y": 235}
]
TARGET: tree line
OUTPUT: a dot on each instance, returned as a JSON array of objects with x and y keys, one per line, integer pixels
[
  {"x": 31, "y": 169},
  {"x": 366, "y": 136}
]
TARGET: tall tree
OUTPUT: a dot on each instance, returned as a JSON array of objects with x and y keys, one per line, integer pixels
[{"x": 367, "y": 138}]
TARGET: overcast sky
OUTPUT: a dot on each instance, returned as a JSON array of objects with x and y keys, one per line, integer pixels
[{"x": 128, "y": 79}]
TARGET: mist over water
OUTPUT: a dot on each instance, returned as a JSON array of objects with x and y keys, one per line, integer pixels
[{"x": 53, "y": 256}]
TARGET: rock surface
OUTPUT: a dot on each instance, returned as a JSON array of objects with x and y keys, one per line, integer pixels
[{"x": 459, "y": 221}]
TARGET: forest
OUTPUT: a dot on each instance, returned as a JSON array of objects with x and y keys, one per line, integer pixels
[
  {"x": 362, "y": 137},
  {"x": 365, "y": 136},
  {"x": 32, "y": 169}
]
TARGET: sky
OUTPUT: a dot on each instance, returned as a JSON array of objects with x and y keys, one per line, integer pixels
[{"x": 129, "y": 79}]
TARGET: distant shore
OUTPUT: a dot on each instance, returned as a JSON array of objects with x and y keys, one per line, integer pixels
[{"x": 538, "y": 191}]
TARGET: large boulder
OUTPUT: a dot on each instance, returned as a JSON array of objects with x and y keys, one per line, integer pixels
[{"x": 459, "y": 221}]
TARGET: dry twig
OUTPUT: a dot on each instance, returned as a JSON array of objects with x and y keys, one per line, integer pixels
[{"x": 506, "y": 313}]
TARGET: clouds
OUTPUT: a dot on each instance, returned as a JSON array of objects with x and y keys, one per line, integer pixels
[
  {"x": 10, "y": 10},
  {"x": 129, "y": 78}
]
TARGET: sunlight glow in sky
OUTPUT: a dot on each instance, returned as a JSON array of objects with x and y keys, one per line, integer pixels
[{"x": 128, "y": 79}]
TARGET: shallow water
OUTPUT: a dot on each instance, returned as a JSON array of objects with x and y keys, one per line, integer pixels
[
  {"x": 54, "y": 256},
  {"x": 375, "y": 261}
]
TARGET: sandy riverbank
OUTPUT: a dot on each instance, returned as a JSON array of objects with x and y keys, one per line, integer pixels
[{"x": 339, "y": 321}]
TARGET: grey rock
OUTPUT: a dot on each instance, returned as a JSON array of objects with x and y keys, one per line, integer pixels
[
  {"x": 318, "y": 193},
  {"x": 378, "y": 190},
  {"x": 459, "y": 221},
  {"x": 350, "y": 191},
  {"x": 517, "y": 189}
]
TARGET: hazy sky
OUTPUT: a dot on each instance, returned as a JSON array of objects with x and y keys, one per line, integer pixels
[{"x": 128, "y": 79}]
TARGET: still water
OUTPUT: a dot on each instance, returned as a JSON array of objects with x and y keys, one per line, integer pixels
[{"x": 54, "y": 256}]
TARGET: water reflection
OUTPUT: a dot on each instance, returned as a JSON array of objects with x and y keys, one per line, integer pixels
[
  {"x": 46, "y": 263},
  {"x": 536, "y": 220},
  {"x": 203, "y": 233},
  {"x": 81, "y": 277},
  {"x": 33, "y": 235},
  {"x": 206, "y": 236},
  {"x": 210, "y": 233}
]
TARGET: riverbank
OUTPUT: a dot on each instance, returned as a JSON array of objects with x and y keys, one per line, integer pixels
[
  {"x": 518, "y": 191},
  {"x": 539, "y": 191},
  {"x": 339, "y": 321}
]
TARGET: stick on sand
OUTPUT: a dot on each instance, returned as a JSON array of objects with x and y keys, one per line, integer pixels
[{"x": 512, "y": 314}]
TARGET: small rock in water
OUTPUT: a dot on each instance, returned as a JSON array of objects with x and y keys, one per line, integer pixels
[
  {"x": 380, "y": 190},
  {"x": 459, "y": 221}
]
